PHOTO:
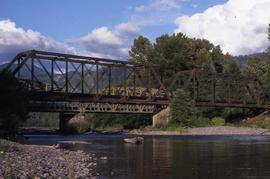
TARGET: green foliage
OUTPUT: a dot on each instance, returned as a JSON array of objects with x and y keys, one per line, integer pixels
[
  {"x": 230, "y": 65},
  {"x": 184, "y": 113},
  {"x": 42, "y": 120},
  {"x": 263, "y": 124},
  {"x": 182, "y": 109},
  {"x": 112, "y": 127},
  {"x": 172, "y": 127},
  {"x": 126, "y": 121},
  {"x": 141, "y": 50},
  {"x": 218, "y": 121},
  {"x": 198, "y": 121},
  {"x": 259, "y": 67},
  {"x": 78, "y": 127},
  {"x": 13, "y": 103},
  {"x": 171, "y": 54}
]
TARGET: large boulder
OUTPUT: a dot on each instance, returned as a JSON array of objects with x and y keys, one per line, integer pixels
[{"x": 78, "y": 124}]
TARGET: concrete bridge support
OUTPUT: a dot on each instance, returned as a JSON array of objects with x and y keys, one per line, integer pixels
[
  {"x": 162, "y": 118},
  {"x": 64, "y": 121}
]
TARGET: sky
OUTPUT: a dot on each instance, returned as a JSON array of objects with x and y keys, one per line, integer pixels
[{"x": 107, "y": 28}]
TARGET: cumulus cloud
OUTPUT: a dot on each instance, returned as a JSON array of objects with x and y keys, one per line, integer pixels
[
  {"x": 103, "y": 42},
  {"x": 128, "y": 28},
  {"x": 238, "y": 26},
  {"x": 14, "y": 40}
]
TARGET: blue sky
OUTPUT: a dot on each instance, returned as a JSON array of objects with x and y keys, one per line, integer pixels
[
  {"x": 86, "y": 26},
  {"x": 62, "y": 19}
]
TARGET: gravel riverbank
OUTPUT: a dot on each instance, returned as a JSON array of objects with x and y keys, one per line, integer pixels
[
  {"x": 221, "y": 130},
  {"x": 32, "y": 161}
]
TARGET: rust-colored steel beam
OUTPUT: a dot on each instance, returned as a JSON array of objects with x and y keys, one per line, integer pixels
[{"x": 56, "y": 77}]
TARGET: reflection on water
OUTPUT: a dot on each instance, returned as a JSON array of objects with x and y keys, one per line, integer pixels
[{"x": 176, "y": 157}]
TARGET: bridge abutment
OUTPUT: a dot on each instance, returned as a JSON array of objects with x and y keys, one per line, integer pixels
[{"x": 162, "y": 117}]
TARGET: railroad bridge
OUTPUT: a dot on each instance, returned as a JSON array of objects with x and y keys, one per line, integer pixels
[{"x": 71, "y": 83}]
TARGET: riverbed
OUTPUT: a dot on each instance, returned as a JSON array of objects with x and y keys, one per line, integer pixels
[{"x": 234, "y": 156}]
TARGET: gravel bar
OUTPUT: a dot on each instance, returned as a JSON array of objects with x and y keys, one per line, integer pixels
[
  {"x": 33, "y": 161},
  {"x": 220, "y": 130}
]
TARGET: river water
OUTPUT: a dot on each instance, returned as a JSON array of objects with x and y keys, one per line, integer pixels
[{"x": 174, "y": 156}]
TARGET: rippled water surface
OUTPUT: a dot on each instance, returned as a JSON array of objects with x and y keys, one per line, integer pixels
[{"x": 175, "y": 156}]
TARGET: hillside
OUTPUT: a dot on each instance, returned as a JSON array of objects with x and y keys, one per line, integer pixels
[{"x": 242, "y": 59}]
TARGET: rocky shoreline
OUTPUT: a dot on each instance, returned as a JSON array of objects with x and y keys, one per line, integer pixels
[
  {"x": 33, "y": 161},
  {"x": 220, "y": 130}
]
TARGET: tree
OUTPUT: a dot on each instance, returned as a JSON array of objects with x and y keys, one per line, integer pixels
[
  {"x": 13, "y": 103},
  {"x": 173, "y": 53},
  {"x": 183, "y": 109},
  {"x": 259, "y": 67},
  {"x": 141, "y": 50},
  {"x": 230, "y": 65}
]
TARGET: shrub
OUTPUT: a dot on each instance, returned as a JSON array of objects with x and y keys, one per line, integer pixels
[
  {"x": 199, "y": 122},
  {"x": 78, "y": 124},
  {"x": 78, "y": 127},
  {"x": 263, "y": 124},
  {"x": 13, "y": 103},
  {"x": 218, "y": 121},
  {"x": 126, "y": 121}
]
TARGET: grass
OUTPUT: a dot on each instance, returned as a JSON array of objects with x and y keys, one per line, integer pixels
[
  {"x": 172, "y": 127},
  {"x": 111, "y": 128},
  {"x": 263, "y": 124},
  {"x": 78, "y": 127}
]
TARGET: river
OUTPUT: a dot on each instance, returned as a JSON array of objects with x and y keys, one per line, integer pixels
[{"x": 173, "y": 156}]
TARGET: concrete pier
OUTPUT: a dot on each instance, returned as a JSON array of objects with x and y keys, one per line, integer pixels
[{"x": 162, "y": 118}]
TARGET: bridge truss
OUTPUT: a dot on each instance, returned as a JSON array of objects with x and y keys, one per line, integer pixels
[
  {"x": 221, "y": 89},
  {"x": 61, "y": 82},
  {"x": 71, "y": 83}
]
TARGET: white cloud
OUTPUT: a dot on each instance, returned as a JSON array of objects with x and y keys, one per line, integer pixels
[
  {"x": 102, "y": 36},
  {"x": 159, "y": 5},
  {"x": 103, "y": 42},
  {"x": 14, "y": 40},
  {"x": 238, "y": 26},
  {"x": 100, "y": 42},
  {"x": 166, "y": 4},
  {"x": 156, "y": 12},
  {"x": 140, "y": 8},
  {"x": 128, "y": 27}
]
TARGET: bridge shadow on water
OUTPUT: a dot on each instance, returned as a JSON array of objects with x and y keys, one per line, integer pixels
[{"x": 174, "y": 156}]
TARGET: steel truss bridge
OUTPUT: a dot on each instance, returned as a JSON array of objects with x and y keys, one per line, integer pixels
[{"x": 71, "y": 83}]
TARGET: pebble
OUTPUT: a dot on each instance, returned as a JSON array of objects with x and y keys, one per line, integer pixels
[{"x": 33, "y": 161}]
